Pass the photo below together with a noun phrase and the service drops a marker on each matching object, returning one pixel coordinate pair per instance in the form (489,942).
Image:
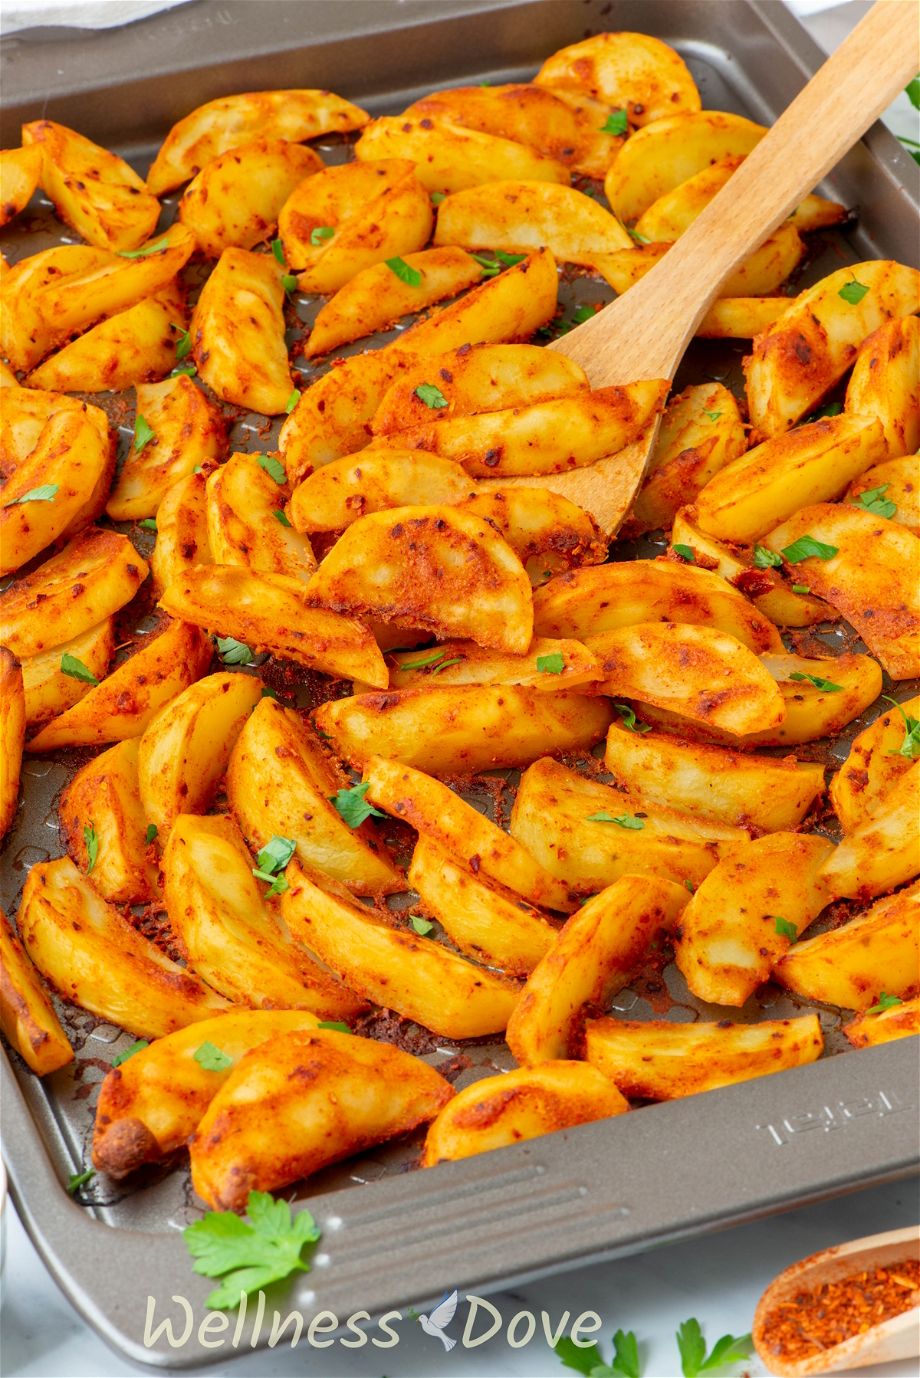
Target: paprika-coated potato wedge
(882,852)
(449,157)
(899,1021)
(548,666)
(439,814)
(633,71)
(658,1059)
(188,432)
(280,782)
(27,1016)
(49,690)
(436,568)
(133,346)
(26,334)
(762,272)
(394,967)
(592,958)
(105,829)
(373,480)
(26,411)
(12,736)
(522,215)
(95,574)
(182,530)
(865,566)
(94,191)
(804,353)
(672,214)
(885,383)
(229,936)
(151,1105)
(301,1101)
(589,835)
(522,1104)
(238,333)
(740,318)
(20,169)
(184,750)
(878,757)
(763,792)
(893,482)
(546,531)
(94,958)
(245,508)
(745,914)
(236,198)
(271,611)
(850,966)
(465,729)
(483,922)
(126,701)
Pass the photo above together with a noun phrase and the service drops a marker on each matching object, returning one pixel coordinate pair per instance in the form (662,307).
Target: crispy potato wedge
(151,1105)
(878,757)
(672,214)
(524,215)
(102,806)
(450,157)
(95,574)
(94,958)
(656,1059)
(238,333)
(804,353)
(245,507)
(592,958)
(740,318)
(301,1101)
(182,531)
(26,412)
(744,915)
(20,169)
(127,700)
(280,782)
(12,736)
(49,691)
(27,1016)
(393,967)
(900,1021)
(896,482)
(634,71)
(26,335)
(548,666)
(465,729)
(547,532)
(133,346)
(850,966)
(375,480)
(236,198)
(882,852)
(761,273)
(230,121)
(569,824)
(885,383)
(188,433)
(271,611)
(522,1104)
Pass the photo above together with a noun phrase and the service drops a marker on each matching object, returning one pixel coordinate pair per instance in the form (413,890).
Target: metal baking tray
(392,1238)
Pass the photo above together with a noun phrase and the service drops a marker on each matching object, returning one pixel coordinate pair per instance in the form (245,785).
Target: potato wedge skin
(862,786)
(656,1059)
(881,852)
(28,329)
(522,1104)
(901,1021)
(519,216)
(244,527)
(104,796)
(235,199)
(238,333)
(373,480)
(19,173)
(740,318)
(27,1016)
(897,479)
(12,736)
(884,383)
(133,346)
(49,692)
(547,531)
(182,531)
(450,158)
(632,70)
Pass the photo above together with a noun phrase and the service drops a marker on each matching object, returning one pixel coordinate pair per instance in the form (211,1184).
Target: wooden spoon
(644,333)
(895,1339)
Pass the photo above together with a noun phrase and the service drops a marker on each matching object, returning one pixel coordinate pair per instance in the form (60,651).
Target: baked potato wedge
(450,157)
(26,412)
(898,1021)
(882,852)
(49,690)
(885,383)
(26,332)
(547,532)
(740,318)
(12,736)
(519,216)
(374,480)
(633,71)
(238,333)
(235,200)
(27,1016)
(134,346)
(20,169)
(247,523)
(761,273)
(182,530)
(548,666)
(105,829)
(878,757)
(891,484)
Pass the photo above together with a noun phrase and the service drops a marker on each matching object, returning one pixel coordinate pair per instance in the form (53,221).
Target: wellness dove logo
(440,1318)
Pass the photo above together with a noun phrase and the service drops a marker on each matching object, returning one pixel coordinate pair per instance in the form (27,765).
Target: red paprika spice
(818,1318)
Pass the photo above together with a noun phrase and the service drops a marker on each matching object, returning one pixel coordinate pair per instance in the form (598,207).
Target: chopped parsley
(292,401)
(826,685)
(143,434)
(785,929)
(273,467)
(553,664)
(91,840)
(137,1047)
(404,271)
(910,746)
(873,500)
(184,342)
(151,834)
(271,860)
(685,552)
(335,1024)
(766,559)
(432,396)
(212,1058)
(630,721)
(885,1002)
(233,652)
(807,547)
(352,807)
(80,1179)
(45,492)
(853,292)
(421,926)
(624,820)
(75,669)
(319,234)
(617,122)
(280,516)
(154,248)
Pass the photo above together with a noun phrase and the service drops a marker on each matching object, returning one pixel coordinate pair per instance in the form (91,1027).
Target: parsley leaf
(74,667)
(148,524)
(582,314)
(233,652)
(913,92)
(280,516)
(80,1179)
(826,685)
(853,292)
(273,467)
(184,342)
(292,401)
(351,805)
(276,854)
(873,500)
(455,660)
(885,1002)
(212,1058)
(437,197)
(617,122)
(808,548)
(278,251)
(248,1256)
(151,833)
(276,884)
(552,664)
(422,661)
(184,370)
(45,492)
(625,820)
(626,1355)
(289,282)
(639,238)
(910,746)
(685,552)
(630,721)
(712,415)
(411,276)
(319,233)
(421,926)
(785,929)
(766,559)
(92,846)
(154,248)
(143,434)
(432,396)
(831,409)
(583,1359)
(492,264)
(730,1349)
(334,1024)
(137,1047)
(800,588)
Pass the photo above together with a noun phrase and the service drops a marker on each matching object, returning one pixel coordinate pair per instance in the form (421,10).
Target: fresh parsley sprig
(730,1349)
(248,1255)
(623,820)
(588,1360)
(271,861)
(351,805)
(885,1002)
(910,746)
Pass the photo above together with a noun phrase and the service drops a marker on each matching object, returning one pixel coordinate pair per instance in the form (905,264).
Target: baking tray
(393,1238)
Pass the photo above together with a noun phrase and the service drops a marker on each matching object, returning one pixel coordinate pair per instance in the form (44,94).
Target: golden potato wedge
(522,1104)
(804,353)
(95,574)
(523,215)
(437,568)
(49,690)
(95,192)
(656,1059)
(762,272)
(236,198)
(633,71)
(271,611)
(744,915)
(882,852)
(893,483)
(127,700)
(866,568)
(547,532)
(851,966)
(96,959)
(480,920)
(374,480)
(20,169)
(151,1105)
(465,729)
(592,958)
(182,531)
(25,334)
(416,977)
(133,346)
(735,787)
(238,333)
(105,829)
(12,736)
(8,378)
(812,464)
(439,814)
(26,412)
(740,318)
(247,524)
(899,1021)
(301,1101)
(672,214)
(27,1016)
(548,666)
(589,835)
(885,383)
(376,297)
(449,157)
(878,757)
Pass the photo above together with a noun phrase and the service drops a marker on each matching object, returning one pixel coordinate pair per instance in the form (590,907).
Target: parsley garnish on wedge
(853,292)
(873,500)
(731,1349)
(885,1002)
(233,652)
(911,744)
(45,492)
(630,721)
(553,664)
(617,122)
(90,837)
(351,805)
(404,271)
(248,1255)
(154,248)
(75,669)
(143,433)
(272,860)
(826,685)
(785,929)
(624,820)
(136,1047)
(807,547)
(212,1058)
(432,396)
(272,466)
(766,559)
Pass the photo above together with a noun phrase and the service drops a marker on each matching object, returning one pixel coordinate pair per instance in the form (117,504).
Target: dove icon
(441,1316)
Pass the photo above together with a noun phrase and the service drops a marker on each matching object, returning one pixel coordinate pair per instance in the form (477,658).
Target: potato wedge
(26,335)
(463,730)
(49,691)
(570,825)
(245,507)
(127,700)
(633,71)
(302,1101)
(547,532)
(522,1104)
(744,915)
(95,574)
(105,829)
(27,411)
(182,531)
(12,736)
(900,1021)
(236,198)
(27,1016)
(878,757)
(762,272)
(672,214)
(895,482)
(271,611)
(656,1059)
(740,318)
(417,978)
(850,966)
(238,333)
(882,852)
(592,958)
(548,666)
(885,383)
(524,215)
(20,169)
(8,378)
(449,157)
(375,480)
(804,353)
(151,1105)
(133,346)
(94,958)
